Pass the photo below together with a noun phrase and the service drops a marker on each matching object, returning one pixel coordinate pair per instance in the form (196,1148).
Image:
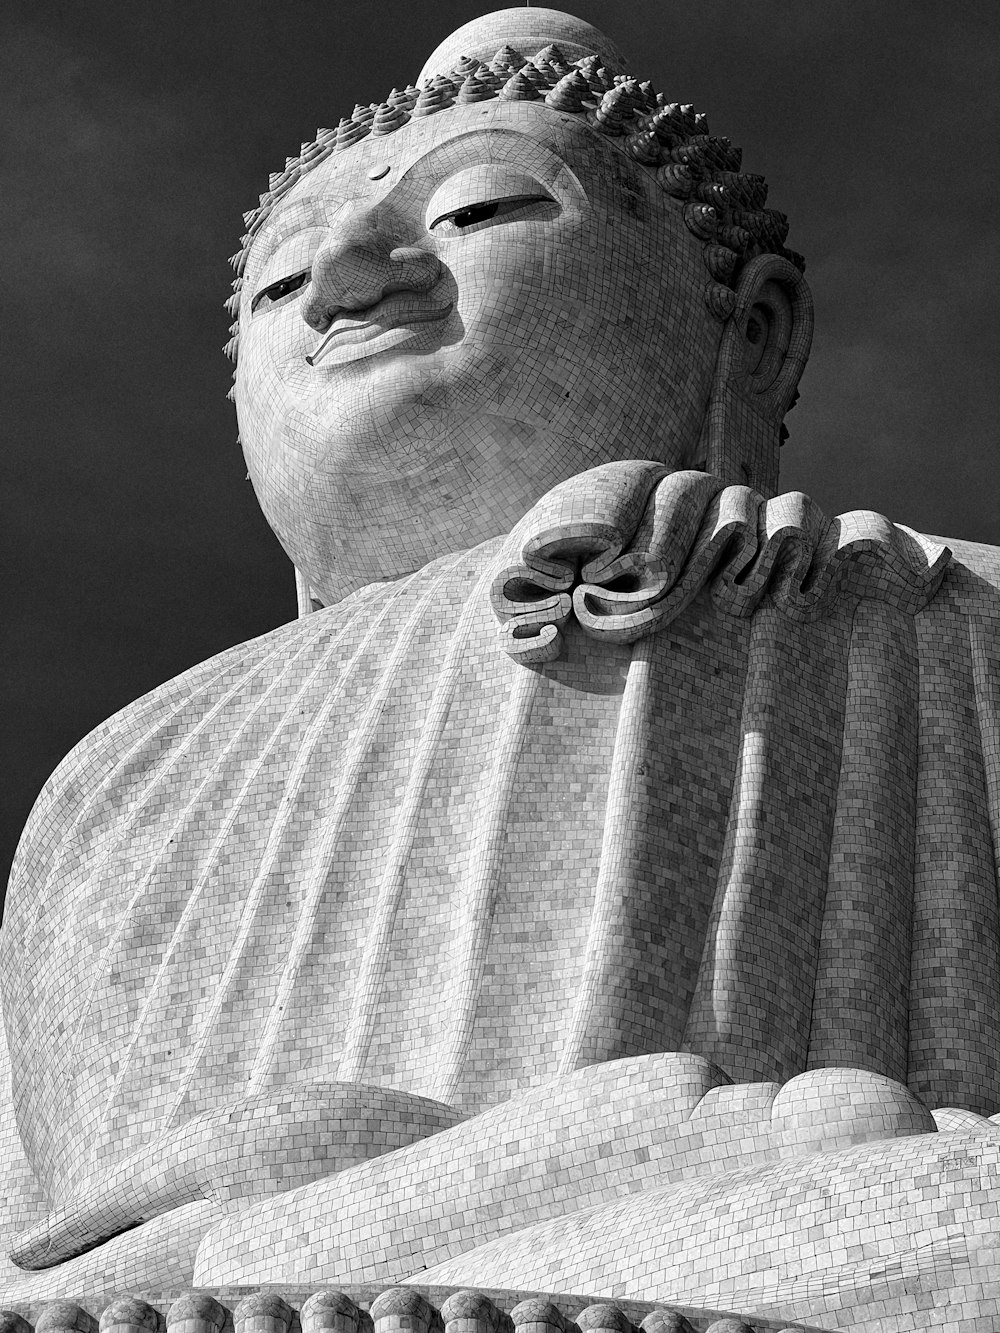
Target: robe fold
(386,844)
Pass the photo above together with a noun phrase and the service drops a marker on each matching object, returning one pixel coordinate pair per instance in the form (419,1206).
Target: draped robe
(391,843)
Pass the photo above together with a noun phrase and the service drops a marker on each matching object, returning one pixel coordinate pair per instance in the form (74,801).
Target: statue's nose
(360,263)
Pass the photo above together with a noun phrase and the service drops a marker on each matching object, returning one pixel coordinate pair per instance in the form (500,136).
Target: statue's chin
(368,497)
(388,414)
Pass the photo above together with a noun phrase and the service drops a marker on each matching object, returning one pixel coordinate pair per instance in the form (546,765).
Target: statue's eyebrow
(451,153)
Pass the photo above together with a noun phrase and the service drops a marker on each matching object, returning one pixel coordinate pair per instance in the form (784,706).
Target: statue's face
(474,355)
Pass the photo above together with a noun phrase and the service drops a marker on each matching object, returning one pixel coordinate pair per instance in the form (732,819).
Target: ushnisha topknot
(722,206)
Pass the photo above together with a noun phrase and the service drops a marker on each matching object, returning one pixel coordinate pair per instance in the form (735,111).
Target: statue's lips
(388,323)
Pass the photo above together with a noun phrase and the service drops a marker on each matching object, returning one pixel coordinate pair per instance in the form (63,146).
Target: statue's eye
(271,295)
(511,209)
(467,217)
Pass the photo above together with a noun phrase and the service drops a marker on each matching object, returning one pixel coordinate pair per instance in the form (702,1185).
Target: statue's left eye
(467,217)
(277,290)
(499,210)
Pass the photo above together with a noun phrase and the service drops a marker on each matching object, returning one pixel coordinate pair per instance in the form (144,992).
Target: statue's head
(518,270)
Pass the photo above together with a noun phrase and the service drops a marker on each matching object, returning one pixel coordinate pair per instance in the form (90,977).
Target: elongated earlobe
(761,358)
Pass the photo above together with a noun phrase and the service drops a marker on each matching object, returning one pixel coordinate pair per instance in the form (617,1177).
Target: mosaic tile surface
(596,888)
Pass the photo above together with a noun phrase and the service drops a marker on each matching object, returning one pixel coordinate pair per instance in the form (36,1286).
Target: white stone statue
(609,833)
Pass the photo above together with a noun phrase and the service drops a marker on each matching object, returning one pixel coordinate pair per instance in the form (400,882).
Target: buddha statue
(608,823)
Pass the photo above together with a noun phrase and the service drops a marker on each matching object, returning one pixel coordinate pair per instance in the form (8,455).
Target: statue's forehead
(537,137)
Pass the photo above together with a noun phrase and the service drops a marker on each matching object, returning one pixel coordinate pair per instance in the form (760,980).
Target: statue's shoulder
(977,557)
(229,704)
(972,581)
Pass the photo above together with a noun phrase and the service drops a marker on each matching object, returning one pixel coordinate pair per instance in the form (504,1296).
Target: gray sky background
(138,134)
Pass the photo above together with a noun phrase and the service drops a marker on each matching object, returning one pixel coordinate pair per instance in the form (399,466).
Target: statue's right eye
(284,287)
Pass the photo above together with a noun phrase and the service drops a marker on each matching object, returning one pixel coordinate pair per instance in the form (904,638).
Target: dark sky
(140,133)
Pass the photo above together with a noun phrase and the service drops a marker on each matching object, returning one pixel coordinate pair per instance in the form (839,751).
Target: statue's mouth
(389,323)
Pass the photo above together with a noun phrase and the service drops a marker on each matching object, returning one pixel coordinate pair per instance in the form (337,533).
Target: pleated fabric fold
(375,847)
(954,1040)
(752,1006)
(860,1016)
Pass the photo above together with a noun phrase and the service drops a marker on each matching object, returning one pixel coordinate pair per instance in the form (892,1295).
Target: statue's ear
(761,358)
